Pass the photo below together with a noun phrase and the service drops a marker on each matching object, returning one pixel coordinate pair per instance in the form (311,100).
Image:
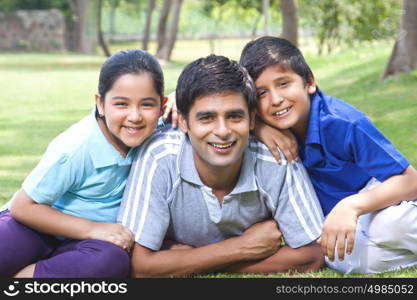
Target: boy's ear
(312,85)
(99,104)
(182,123)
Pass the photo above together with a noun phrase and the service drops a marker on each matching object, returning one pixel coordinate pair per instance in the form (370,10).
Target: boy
(344,154)
(213,195)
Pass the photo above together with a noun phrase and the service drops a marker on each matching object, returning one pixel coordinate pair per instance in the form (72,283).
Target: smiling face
(131,109)
(284,99)
(218,128)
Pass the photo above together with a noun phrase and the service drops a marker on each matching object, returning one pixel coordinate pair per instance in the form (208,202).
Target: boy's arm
(308,258)
(258,241)
(44,218)
(340,225)
(276,140)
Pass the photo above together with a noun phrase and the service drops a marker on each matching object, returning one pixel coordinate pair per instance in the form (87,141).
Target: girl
(61,223)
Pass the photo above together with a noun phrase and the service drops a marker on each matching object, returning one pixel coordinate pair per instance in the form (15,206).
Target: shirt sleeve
(373,152)
(144,209)
(55,174)
(298,214)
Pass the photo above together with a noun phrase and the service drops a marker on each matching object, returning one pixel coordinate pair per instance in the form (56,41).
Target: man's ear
(99,104)
(252,116)
(182,122)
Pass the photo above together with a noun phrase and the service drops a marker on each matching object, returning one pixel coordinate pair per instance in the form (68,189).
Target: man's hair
(213,75)
(269,51)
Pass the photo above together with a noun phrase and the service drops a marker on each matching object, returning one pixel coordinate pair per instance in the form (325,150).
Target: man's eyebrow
(236,111)
(205,113)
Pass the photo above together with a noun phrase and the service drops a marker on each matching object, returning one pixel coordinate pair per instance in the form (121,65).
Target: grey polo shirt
(165,197)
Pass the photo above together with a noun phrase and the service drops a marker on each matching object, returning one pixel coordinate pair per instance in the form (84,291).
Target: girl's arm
(276,140)
(44,218)
(340,224)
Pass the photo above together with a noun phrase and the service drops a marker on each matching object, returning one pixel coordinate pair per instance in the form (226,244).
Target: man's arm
(257,242)
(308,258)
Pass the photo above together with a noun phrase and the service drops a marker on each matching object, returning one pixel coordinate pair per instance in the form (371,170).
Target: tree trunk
(81,37)
(265,13)
(404,54)
(112,17)
(101,40)
(162,25)
(289,21)
(255,26)
(147,33)
(166,50)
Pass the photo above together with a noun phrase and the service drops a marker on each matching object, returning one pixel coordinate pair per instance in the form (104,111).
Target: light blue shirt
(81,174)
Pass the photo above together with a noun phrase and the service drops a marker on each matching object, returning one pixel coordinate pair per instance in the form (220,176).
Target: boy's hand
(276,140)
(112,233)
(261,240)
(169,107)
(339,229)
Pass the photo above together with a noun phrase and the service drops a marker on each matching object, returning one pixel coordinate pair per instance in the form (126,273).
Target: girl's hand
(112,233)
(276,140)
(339,229)
(169,107)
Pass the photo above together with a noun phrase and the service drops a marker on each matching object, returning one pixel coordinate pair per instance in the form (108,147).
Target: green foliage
(13,5)
(350,21)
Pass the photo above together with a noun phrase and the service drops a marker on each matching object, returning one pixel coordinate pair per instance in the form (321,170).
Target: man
(214,191)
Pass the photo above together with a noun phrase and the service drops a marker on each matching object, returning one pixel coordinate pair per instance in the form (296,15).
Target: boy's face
(284,99)
(218,128)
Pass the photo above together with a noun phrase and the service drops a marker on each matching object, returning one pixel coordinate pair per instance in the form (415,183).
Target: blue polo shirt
(81,174)
(343,151)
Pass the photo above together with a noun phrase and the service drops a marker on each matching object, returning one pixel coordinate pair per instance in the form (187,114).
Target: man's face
(218,128)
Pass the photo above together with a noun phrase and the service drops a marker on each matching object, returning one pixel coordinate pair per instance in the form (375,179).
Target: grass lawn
(42,94)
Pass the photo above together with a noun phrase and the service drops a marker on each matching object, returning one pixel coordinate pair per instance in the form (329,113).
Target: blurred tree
(147,33)
(349,21)
(265,13)
(100,37)
(83,39)
(404,54)
(112,18)
(162,24)
(166,50)
(167,39)
(289,21)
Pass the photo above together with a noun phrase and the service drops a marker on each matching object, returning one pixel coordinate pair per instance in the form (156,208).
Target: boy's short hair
(212,75)
(269,51)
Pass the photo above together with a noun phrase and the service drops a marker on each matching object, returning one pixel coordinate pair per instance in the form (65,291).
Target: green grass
(42,94)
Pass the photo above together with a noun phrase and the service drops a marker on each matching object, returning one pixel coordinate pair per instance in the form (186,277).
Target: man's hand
(339,229)
(261,240)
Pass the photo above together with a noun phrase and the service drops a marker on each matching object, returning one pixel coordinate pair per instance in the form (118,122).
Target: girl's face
(131,109)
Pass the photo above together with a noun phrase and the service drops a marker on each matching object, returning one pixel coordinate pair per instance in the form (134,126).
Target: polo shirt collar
(188,170)
(102,153)
(313,130)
